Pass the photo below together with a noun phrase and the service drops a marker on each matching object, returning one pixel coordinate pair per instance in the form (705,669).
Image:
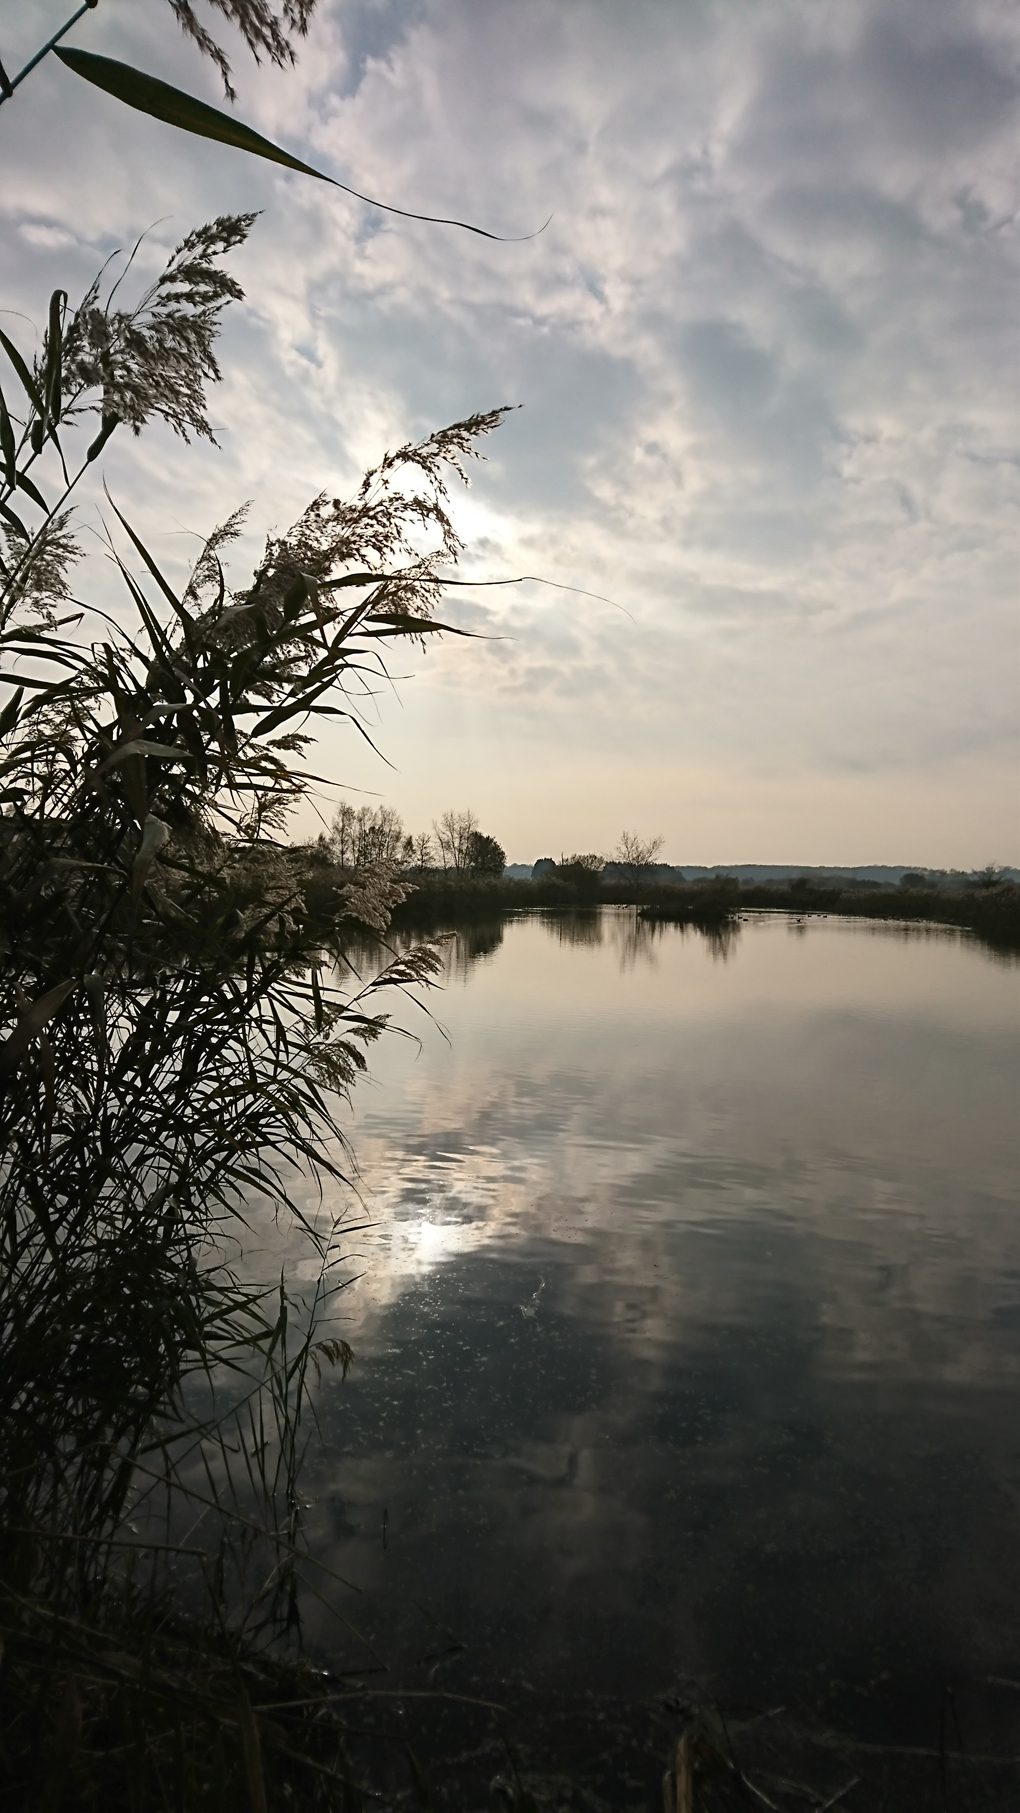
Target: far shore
(443,898)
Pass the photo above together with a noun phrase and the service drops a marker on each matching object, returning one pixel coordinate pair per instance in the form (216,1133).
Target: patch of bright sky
(764,352)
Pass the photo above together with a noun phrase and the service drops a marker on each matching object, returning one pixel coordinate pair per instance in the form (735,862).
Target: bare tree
(453,835)
(635,855)
(420,851)
(366,834)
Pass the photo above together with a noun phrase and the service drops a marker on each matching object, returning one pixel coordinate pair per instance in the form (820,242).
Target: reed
(181,1035)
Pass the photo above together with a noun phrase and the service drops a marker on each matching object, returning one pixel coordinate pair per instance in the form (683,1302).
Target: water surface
(688,1329)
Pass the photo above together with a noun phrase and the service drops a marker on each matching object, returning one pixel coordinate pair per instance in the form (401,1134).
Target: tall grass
(181,1035)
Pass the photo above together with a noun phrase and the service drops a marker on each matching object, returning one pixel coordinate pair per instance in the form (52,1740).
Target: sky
(762,358)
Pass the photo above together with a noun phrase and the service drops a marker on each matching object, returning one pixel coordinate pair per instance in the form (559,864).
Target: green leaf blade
(163,102)
(27,381)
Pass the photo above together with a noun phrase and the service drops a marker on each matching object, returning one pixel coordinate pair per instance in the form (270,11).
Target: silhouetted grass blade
(31,1021)
(31,490)
(163,102)
(7,444)
(27,381)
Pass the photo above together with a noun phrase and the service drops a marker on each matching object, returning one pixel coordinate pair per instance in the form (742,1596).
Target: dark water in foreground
(688,1334)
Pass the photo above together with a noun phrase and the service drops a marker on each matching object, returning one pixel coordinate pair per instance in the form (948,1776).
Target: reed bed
(181,1034)
(992,914)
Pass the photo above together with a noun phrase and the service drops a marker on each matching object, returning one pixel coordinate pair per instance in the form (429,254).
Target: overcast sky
(765,354)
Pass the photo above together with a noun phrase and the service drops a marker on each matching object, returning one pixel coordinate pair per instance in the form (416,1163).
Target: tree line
(365,838)
(633,861)
(361,838)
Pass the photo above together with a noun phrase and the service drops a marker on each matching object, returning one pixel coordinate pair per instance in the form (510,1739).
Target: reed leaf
(148,94)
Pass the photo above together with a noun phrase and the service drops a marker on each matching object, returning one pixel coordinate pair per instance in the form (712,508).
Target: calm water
(688,1331)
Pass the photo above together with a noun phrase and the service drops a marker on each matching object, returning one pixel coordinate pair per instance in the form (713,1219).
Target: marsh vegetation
(991,914)
(181,1032)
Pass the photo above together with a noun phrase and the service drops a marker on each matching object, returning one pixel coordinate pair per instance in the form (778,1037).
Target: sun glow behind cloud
(764,352)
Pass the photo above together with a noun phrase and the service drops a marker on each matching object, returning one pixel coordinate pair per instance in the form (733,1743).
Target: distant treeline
(456,874)
(992,912)
(439,898)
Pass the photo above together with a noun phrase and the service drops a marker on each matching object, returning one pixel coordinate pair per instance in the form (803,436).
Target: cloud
(760,349)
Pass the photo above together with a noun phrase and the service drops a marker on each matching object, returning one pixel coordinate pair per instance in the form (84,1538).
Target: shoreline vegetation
(437,898)
(177,1037)
(455,874)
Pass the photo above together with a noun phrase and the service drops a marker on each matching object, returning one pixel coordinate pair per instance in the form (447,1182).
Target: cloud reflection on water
(684,1336)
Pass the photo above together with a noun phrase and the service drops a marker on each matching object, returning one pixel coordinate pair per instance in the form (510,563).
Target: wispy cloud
(763,351)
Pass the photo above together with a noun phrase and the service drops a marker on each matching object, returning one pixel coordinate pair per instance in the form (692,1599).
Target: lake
(688,1325)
